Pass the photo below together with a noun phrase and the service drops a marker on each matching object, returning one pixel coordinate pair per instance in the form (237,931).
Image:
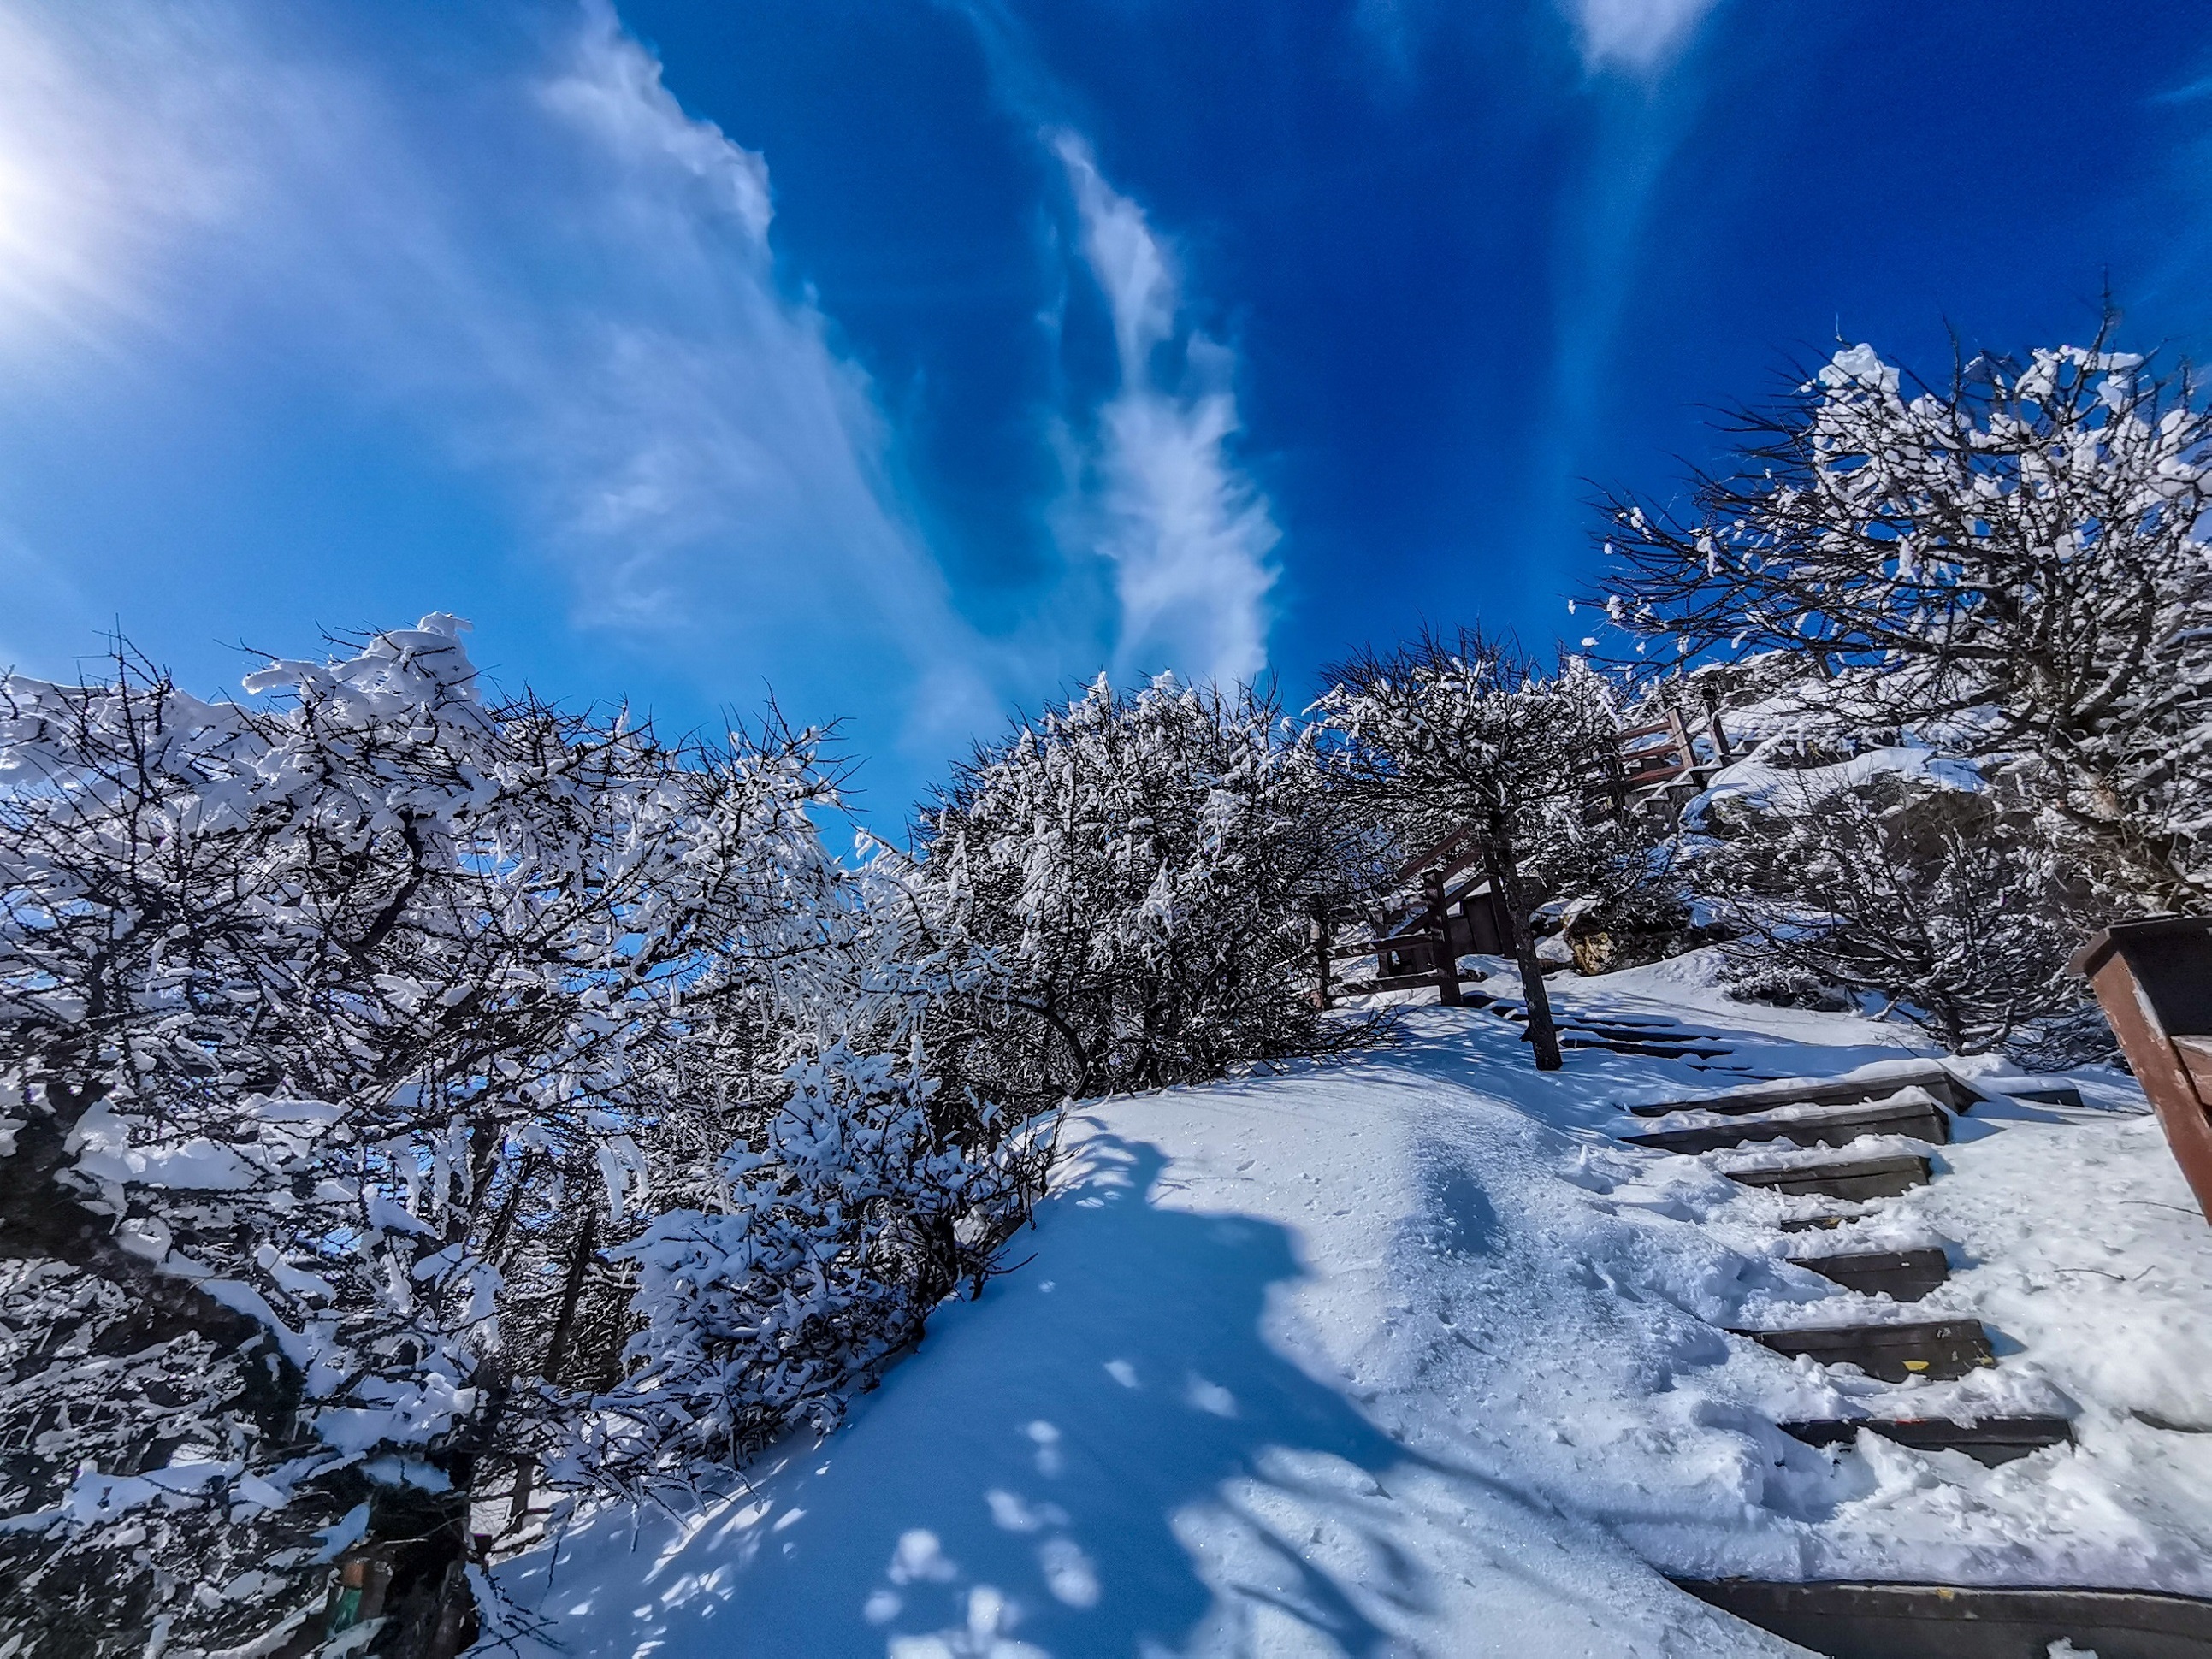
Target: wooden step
(1640,1033)
(1616,1045)
(1814,1224)
(1993,1440)
(1938,1349)
(1947,1621)
(1616,1031)
(2039,1091)
(1858,1178)
(1822,1092)
(1922,1119)
(1903,1275)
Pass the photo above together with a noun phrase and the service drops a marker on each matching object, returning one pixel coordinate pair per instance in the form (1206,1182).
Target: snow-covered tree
(332,1025)
(2010,562)
(1142,867)
(1442,733)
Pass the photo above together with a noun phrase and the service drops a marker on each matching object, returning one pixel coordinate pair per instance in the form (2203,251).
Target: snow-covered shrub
(331,1025)
(2011,563)
(1755,975)
(847,1220)
(1943,902)
(1141,868)
(1623,886)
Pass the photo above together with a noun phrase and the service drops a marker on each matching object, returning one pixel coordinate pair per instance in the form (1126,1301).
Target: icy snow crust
(1409,1355)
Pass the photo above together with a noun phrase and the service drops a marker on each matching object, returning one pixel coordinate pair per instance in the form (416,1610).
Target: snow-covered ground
(1407,1355)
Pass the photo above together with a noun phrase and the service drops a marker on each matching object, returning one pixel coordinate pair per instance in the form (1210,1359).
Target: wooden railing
(1665,749)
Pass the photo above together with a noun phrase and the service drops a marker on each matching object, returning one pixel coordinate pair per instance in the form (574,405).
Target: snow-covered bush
(1941,901)
(332,1026)
(848,1218)
(1141,867)
(2010,563)
(1625,898)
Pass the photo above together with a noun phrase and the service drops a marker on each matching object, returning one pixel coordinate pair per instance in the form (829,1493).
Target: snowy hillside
(1408,1354)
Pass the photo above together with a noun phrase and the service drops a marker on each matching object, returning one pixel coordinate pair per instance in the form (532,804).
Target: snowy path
(1406,1356)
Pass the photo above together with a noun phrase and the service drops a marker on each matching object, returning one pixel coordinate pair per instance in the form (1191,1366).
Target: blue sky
(919,360)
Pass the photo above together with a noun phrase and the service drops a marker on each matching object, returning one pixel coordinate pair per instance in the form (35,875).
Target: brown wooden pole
(1616,781)
(1721,752)
(2174,1068)
(1440,953)
(1685,750)
(1317,931)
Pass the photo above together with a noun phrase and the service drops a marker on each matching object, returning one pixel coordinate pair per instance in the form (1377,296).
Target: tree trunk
(1505,878)
(557,1350)
(1317,933)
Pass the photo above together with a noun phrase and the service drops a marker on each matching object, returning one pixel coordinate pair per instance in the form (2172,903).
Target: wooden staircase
(1901,1620)
(1950,1621)
(1620,1033)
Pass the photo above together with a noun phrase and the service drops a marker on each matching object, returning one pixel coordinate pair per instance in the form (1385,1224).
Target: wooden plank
(1857,1180)
(1992,1441)
(1933,1077)
(2196,1053)
(2041,1091)
(1939,1349)
(1923,1120)
(1947,1621)
(1449,843)
(1903,1275)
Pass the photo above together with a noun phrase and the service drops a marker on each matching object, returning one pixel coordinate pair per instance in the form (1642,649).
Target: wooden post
(1317,930)
(2154,981)
(1440,953)
(1721,752)
(1680,729)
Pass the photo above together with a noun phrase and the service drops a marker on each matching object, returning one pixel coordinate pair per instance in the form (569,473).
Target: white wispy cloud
(1189,535)
(1637,36)
(537,259)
